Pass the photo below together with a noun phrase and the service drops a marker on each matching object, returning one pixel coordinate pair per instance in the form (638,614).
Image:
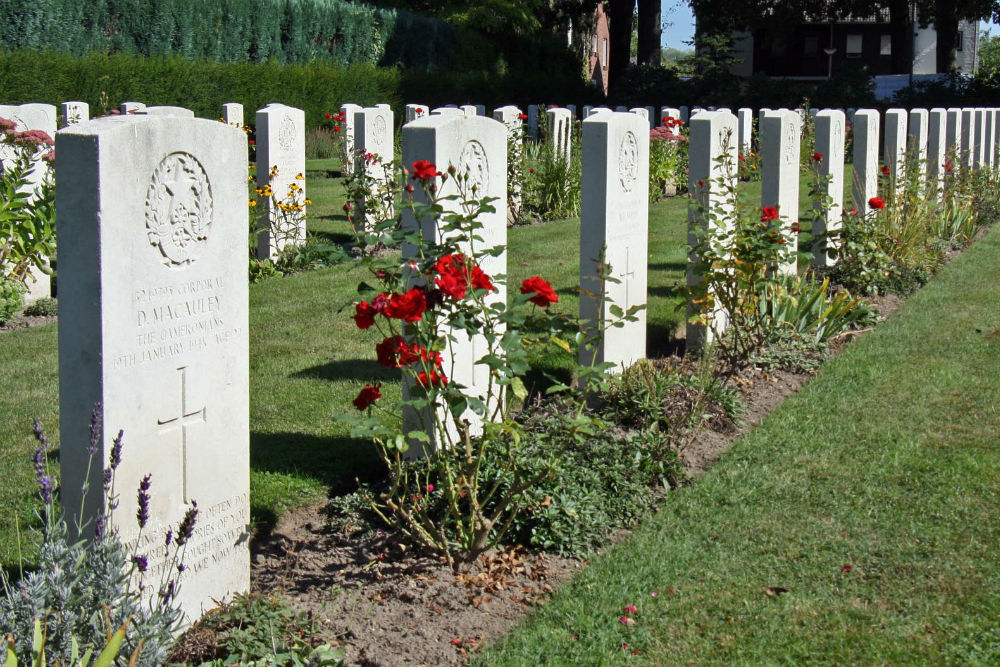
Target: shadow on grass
(661,342)
(333,238)
(337,462)
(679,267)
(348,369)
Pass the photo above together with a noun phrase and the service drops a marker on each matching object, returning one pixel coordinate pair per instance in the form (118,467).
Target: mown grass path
(872,496)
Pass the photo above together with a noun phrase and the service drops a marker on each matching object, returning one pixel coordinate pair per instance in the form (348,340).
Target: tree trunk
(946,25)
(901,30)
(620,14)
(649,32)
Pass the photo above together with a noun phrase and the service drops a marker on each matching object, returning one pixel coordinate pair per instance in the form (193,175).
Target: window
(811,47)
(778,48)
(885,46)
(604,53)
(595,43)
(960,40)
(854,43)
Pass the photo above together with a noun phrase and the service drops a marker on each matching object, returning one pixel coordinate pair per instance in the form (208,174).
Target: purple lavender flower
(45,487)
(170,538)
(142,514)
(181,567)
(116,451)
(95,428)
(186,529)
(38,458)
(141,562)
(99,527)
(108,475)
(167,592)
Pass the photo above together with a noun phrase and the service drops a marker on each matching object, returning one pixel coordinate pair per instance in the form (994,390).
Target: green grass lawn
(308,360)
(871,497)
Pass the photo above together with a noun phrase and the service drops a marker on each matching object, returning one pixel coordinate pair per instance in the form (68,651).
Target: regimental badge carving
(628,162)
(379,132)
(286,134)
(179,209)
(473,164)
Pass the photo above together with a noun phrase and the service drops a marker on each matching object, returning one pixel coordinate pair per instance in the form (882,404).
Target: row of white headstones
(152,221)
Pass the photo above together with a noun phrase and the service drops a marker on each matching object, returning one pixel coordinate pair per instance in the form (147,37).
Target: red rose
(364,315)
(432,379)
(412,353)
(523,116)
(481,281)
(252,142)
(877,203)
(817,157)
(386,351)
(336,129)
(425,170)
(544,294)
(329,115)
(795,227)
(367,396)
(885,170)
(408,306)
(768,213)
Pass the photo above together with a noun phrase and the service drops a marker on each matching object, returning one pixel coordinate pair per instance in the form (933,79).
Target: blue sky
(678,24)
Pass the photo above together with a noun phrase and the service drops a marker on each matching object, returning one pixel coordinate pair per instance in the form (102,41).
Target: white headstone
(477,147)
(651,117)
(712,155)
(996,137)
(866,167)
(415,111)
(373,136)
(643,112)
(469,110)
(953,137)
(179,112)
(596,110)
(153,326)
(533,113)
(232,114)
(780,135)
(131,107)
(830,134)
(685,114)
(560,132)
(895,146)
(281,163)
(916,145)
(586,111)
(937,123)
(572,111)
(32,117)
(621,109)
(669,112)
(447,111)
(989,146)
(614,230)
(979,139)
(347,130)
(75,112)
(510,116)
(968,137)
(745,124)
(480,109)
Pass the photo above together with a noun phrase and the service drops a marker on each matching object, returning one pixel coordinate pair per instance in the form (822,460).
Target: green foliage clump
(259,630)
(44,307)
(303,31)
(12,293)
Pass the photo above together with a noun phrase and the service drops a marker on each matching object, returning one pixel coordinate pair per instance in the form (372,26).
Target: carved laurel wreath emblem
(179,209)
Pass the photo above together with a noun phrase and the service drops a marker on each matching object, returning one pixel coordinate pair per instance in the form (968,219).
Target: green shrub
(12,293)
(44,307)
(299,31)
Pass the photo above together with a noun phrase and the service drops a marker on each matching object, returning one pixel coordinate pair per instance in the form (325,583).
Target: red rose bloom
(408,306)
(386,351)
(432,379)
(542,289)
(885,170)
(877,203)
(523,116)
(425,170)
(364,314)
(481,281)
(336,129)
(329,115)
(453,276)
(768,213)
(817,157)
(412,353)
(368,395)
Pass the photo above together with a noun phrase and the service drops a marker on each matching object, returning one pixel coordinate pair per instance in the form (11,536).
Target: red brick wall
(597,50)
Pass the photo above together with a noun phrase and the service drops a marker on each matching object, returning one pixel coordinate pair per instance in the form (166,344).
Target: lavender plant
(83,591)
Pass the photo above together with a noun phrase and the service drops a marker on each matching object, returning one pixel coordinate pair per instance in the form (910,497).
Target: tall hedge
(284,31)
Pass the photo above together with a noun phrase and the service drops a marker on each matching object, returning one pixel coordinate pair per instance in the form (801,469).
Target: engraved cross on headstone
(182,421)
(628,274)
(177,188)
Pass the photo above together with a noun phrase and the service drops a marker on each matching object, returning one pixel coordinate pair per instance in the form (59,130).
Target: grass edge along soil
(855,525)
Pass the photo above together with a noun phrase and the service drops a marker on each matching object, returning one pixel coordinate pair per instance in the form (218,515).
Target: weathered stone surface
(830,136)
(614,224)
(75,112)
(780,135)
(281,164)
(866,167)
(153,326)
(232,114)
